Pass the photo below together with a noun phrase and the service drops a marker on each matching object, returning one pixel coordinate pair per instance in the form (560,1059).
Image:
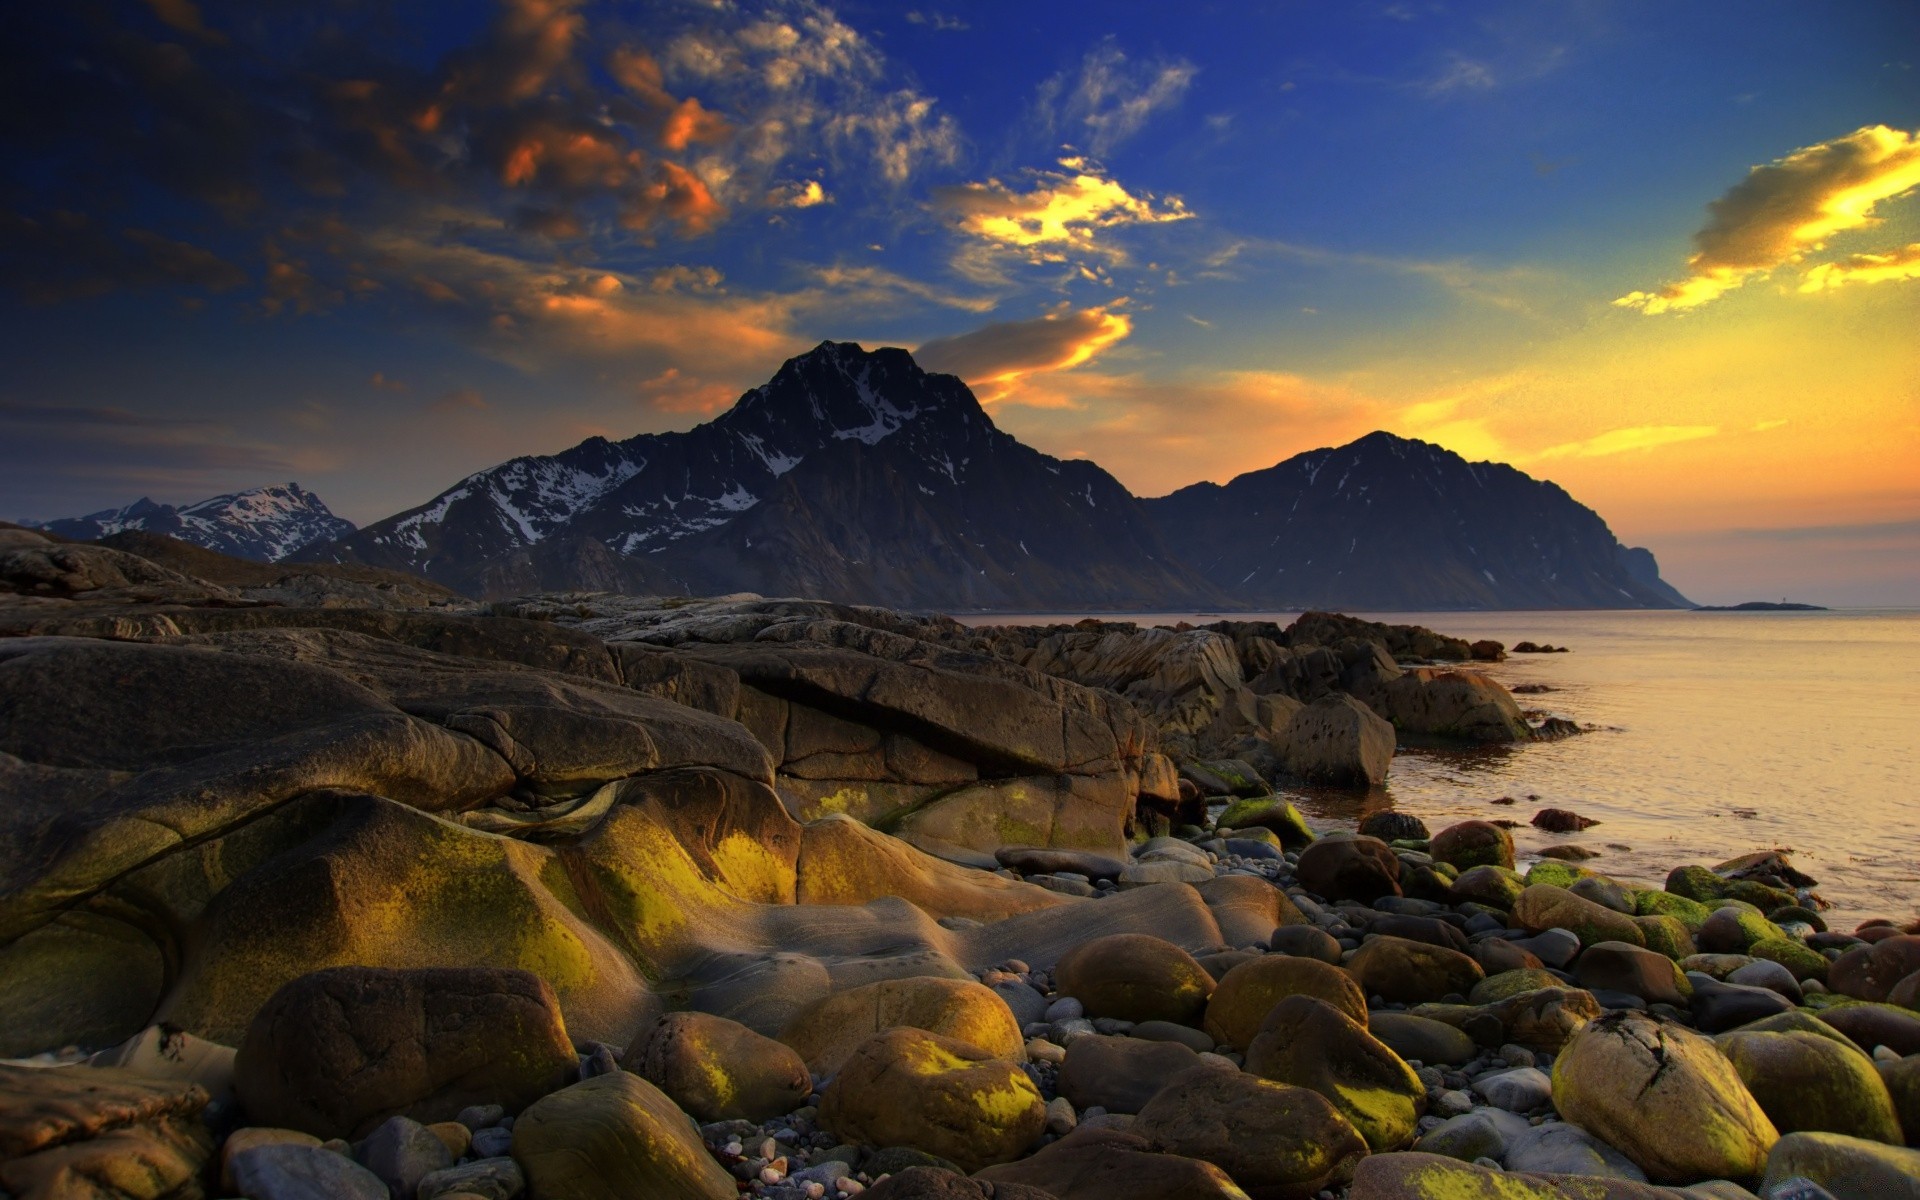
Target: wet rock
(828,1031)
(1553,947)
(1135,977)
(1733,930)
(1665,1097)
(1272,1139)
(1391,826)
(1247,993)
(1120,1074)
(1349,868)
(1407,971)
(1561,820)
(1847,1167)
(1473,844)
(719,1070)
(1103,1164)
(611,1137)
(1270,813)
(1718,1007)
(1769,975)
(1605,892)
(1309,1043)
(908,1087)
(1495,886)
(1808,1083)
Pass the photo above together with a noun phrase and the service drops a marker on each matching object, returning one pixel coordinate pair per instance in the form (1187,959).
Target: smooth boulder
(1405,971)
(612,1137)
(1349,868)
(1544,906)
(908,1087)
(1248,992)
(1813,1084)
(1106,1164)
(828,1031)
(1310,1043)
(1120,1074)
(1849,1168)
(1473,844)
(1277,1142)
(1135,977)
(719,1070)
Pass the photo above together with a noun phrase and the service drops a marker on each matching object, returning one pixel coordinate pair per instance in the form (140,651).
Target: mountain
(850,475)
(265,524)
(1390,524)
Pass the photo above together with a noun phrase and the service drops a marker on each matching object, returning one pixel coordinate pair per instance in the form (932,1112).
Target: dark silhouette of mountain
(850,476)
(1391,524)
(265,524)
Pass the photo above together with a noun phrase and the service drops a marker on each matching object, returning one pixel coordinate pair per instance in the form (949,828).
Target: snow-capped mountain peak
(265,524)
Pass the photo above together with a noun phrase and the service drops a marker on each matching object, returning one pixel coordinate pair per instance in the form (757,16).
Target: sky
(1665,255)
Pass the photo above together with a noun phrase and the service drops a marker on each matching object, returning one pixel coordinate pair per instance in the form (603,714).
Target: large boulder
(1135,977)
(1248,992)
(611,1137)
(1665,1097)
(1848,1168)
(1349,868)
(829,1031)
(337,1052)
(1417,1176)
(719,1070)
(1340,742)
(1405,971)
(1870,972)
(1902,1077)
(1309,1043)
(1277,1142)
(1120,1074)
(1105,1164)
(908,1087)
(77,1131)
(1873,1025)
(1808,1083)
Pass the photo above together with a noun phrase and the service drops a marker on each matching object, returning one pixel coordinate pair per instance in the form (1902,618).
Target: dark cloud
(66,255)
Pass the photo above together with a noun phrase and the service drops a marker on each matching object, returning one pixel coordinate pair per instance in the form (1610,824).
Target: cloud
(673,391)
(1111,98)
(1622,441)
(878,286)
(1890,267)
(995,359)
(798,194)
(1462,74)
(937,21)
(1788,208)
(68,255)
(1063,214)
(108,455)
(464,399)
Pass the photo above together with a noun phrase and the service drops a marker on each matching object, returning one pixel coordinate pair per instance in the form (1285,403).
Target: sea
(1709,734)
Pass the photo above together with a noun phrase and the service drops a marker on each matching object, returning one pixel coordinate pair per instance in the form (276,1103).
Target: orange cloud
(1621,441)
(1785,209)
(673,194)
(675,392)
(1890,267)
(996,358)
(1064,213)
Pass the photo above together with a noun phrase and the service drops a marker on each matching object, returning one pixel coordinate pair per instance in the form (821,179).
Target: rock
(934,1183)
(1696,883)
(1248,992)
(1142,874)
(1135,977)
(249,1137)
(908,1087)
(1168,1031)
(1481,1133)
(1391,826)
(1494,886)
(1541,1020)
(488,1178)
(1120,1074)
(1414,1176)
(1666,935)
(1870,972)
(1544,906)
(1421,1039)
(1351,868)
(61,1128)
(1507,984)
(1105,1164)
(614,1136)
(1567,852)
(1431,930)
(285,1171)
(166,1052)
(1340,742)
(1849,1168)
(402,1152)
(1562,1149)
(1619,967)
(1732,930)
(1813,1084)
(719,1070)
(1473,844)
(828,1031)
(1407,971)
(1802,960)
(1665,1097)
(1906,993)
(1037,860)
(1516,1091)
(1309,1043)
(1871,1025)
(1690,913)
(1561,820)
(1718,1006)
(1270,813)
(1025,1003)
(1902,1080)
(1605,892)
(1769,975)
(1553,947)
(1304,941)
(1272,1139)
(1497,956)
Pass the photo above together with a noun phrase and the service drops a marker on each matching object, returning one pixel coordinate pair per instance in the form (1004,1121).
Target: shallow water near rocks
(1719,733)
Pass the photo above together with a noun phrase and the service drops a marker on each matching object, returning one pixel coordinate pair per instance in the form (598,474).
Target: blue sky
(1667,255)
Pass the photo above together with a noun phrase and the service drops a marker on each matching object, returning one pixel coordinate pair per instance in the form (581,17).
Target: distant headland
(1762,606)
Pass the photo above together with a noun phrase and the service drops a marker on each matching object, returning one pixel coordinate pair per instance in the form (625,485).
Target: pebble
(1066,1008)
(1517,1056)
(1042,1050)
(491,1142)
(1517,1091)
(1453,1104)
(1061,1119)
(480,1116)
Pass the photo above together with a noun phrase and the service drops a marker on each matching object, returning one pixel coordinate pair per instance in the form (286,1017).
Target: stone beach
(334,892)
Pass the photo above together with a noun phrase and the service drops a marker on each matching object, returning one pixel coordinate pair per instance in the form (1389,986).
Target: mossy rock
(1666,934)
(611,1136)
(1253,833)
(1544,906)
(1690,913)
(908,1087)
(1736,929)
(1268,812)
(1249,991)
(1797,914)
(1557,873)
(1760,895)
(1804,961)
(1512,983)
(1805,1082)
(1696,883)
(1309,1043)
(1240,776)
(1497,887)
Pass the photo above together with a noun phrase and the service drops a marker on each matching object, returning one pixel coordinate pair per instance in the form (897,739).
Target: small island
(1762,606)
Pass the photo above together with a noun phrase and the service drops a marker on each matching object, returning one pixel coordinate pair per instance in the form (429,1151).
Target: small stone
(1517,1056)
(402,1152)
(1517,1091)
(1066,1008)
(290,1172)
(1061,1119)
(1042,1050)
(480,1116)
(492,1142)
(489,1178)
(1453,1103)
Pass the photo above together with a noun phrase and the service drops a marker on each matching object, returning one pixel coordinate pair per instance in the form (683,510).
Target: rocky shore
(330,887)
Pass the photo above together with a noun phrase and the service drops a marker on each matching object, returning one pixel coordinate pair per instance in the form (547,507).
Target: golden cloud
(1062,214)
(1785,209)
(1890,267)
(1621,441)
(994,359)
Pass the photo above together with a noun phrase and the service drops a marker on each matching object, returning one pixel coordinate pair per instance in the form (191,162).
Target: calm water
(1717,733)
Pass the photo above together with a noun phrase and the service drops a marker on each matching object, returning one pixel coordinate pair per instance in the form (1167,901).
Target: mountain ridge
(264,524)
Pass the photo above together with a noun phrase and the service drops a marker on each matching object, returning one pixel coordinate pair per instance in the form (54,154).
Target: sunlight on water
(1719,733)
